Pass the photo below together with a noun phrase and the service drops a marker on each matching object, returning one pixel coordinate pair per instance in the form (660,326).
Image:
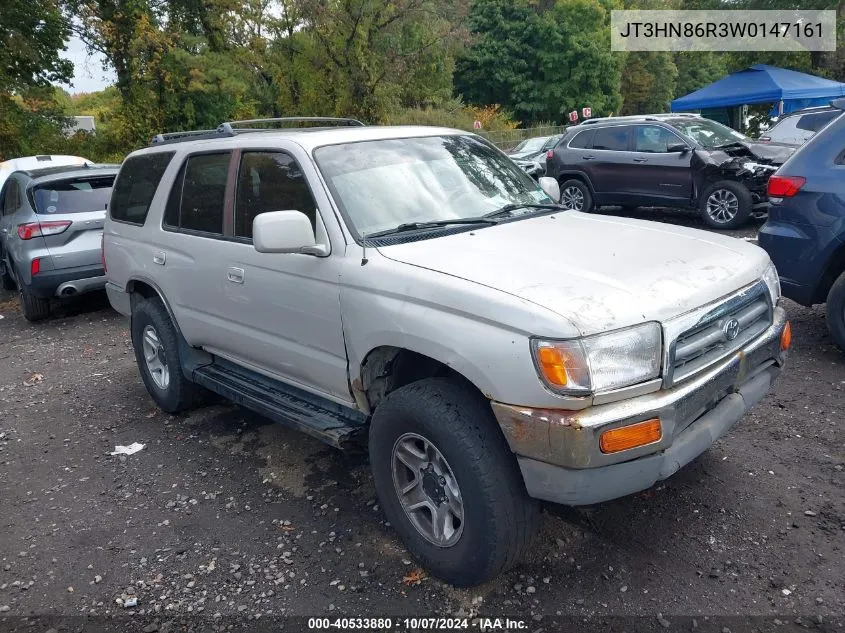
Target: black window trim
(227,193)
(237,168)
(109,205)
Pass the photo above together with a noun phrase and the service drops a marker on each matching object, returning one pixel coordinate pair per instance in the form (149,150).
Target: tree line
(190,64)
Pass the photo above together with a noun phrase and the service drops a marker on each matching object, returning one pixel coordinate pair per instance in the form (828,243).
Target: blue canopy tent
(788,89)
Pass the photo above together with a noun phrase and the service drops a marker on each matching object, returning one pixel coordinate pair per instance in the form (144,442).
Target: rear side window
(136,185)
(73,196)
(816,121)
(613,138)
(270,181)
(11,197)
(582,140)
(201,192)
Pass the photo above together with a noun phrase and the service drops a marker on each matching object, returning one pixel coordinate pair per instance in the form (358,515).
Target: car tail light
(36,229)
(35,267)
(784,186)
(550,154)
(103,252)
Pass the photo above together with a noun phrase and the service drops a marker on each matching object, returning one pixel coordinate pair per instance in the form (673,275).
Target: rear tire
(575,195)
(33,308)
(156,345)
(836,311)
(461,460)
(6,279)
(725,205)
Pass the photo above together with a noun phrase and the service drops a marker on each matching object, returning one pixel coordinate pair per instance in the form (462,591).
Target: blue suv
(805,232)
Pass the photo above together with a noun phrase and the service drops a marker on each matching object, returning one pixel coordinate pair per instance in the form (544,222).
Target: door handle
(590,157)
(235,275)
(159,258)
(640,160)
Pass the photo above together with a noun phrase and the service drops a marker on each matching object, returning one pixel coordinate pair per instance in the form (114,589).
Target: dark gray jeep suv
(667,160)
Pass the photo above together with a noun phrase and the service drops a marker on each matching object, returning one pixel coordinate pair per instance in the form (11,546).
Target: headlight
(772,280)
(600,363)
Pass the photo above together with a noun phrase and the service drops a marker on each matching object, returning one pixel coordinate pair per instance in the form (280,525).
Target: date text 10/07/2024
(417,624)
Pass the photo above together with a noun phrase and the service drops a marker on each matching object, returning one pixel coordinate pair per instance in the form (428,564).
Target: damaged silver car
(665,160)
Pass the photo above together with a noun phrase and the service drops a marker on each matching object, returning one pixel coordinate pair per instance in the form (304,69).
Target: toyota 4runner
(412,286)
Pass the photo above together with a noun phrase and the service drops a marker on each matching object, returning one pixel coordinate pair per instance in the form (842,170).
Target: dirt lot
(225,519)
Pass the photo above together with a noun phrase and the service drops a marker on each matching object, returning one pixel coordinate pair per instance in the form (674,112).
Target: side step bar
(325,420)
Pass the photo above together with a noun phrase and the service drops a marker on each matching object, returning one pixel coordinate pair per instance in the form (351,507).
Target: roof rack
(641,117)
(178,136)
(229,126)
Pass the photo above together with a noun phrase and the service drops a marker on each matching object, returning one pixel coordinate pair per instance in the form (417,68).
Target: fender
(580,175)
(191,357)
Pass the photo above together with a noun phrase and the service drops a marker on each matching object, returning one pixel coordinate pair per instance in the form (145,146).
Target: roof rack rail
(175,136)
(229,126)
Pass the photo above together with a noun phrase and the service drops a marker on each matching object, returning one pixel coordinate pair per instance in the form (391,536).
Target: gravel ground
(227,520)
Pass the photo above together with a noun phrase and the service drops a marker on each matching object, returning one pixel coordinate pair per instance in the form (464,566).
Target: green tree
(541,61)
(648,82)
(32,34)
(696,70)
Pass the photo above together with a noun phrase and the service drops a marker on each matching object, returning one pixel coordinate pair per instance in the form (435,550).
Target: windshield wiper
(433,224)
(508,209)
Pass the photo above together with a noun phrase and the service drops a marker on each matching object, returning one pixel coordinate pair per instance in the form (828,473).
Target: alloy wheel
(427,490)
(722,206)
(155,357)
(572,199)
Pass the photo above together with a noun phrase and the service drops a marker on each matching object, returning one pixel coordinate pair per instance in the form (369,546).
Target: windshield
(707,133)
(73,196)
(380,185)
(532,144)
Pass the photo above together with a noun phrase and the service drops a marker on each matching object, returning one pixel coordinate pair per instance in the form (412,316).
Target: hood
(600,273)
(767,153)
(532,156)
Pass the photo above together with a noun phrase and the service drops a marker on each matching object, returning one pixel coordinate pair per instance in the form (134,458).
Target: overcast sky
(88,73)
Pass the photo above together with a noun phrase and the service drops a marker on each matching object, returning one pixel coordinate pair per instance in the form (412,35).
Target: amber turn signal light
(786,337)
(631,436)
(553,365)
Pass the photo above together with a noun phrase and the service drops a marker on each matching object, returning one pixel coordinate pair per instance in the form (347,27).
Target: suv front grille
(728,329)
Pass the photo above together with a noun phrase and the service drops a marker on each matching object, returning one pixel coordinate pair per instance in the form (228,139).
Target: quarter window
(203,193)
(582,140)
(270,181)
(612,138)
(136,185)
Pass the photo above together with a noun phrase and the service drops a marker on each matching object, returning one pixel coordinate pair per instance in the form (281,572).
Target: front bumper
(558,451)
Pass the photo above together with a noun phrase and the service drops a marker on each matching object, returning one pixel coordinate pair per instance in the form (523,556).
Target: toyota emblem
(731,329)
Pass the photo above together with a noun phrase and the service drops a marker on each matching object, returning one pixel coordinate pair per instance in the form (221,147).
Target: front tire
(156,345)
(725,205)
(836,311)
(575,195)
(448,481)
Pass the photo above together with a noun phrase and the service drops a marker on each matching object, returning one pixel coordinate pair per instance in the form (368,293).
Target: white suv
(413,286)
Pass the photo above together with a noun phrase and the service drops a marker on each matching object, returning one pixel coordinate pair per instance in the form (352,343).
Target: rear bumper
(119,299)
(82,279)
(559,454)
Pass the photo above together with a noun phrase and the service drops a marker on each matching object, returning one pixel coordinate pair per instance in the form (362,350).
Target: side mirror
(282,232)
(550,187)
(678,148)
